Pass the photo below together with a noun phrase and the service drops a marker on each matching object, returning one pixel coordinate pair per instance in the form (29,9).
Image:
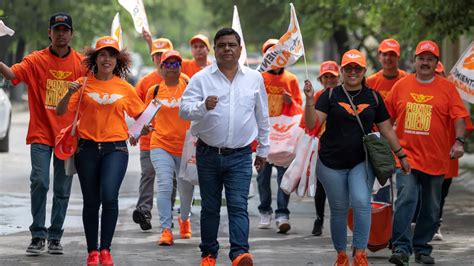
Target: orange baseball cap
(269,43)
(161,45)
(170,54)
(202,38)
(353,56)
(439,68)
(106,41)
(388,45)
(329,67)
(427,46)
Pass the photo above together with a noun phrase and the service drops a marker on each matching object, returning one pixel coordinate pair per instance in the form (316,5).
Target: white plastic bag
(292,176)
(188,168)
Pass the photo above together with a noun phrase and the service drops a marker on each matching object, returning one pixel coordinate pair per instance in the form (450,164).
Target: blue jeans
(346,187)
(409,188)
(234,172)
(165,165)
(39,186)
(265,192)
(101,168)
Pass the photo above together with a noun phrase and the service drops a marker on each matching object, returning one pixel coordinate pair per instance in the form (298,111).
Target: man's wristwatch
(461,140)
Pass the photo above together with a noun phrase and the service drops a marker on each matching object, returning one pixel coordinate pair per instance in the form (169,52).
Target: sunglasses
(357,69)
(174,64)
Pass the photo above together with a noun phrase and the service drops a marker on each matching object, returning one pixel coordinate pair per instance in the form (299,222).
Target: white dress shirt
(241,113)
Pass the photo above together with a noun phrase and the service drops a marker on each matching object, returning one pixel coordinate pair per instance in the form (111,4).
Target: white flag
(236,26)
(289,48)
(462,74)
(137,10)
(116,30)
(4,30)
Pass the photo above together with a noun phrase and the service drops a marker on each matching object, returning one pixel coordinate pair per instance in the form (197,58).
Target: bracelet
(397,151)
(402,156)
(310,104)
(461,139)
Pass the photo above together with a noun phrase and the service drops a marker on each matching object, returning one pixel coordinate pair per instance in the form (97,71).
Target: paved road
(133,247)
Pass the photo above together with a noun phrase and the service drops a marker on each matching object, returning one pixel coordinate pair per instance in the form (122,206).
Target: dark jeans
(265,192)
(234,172)
(320,201)
(39,186)
(101,168)
(444,193)
(409,189)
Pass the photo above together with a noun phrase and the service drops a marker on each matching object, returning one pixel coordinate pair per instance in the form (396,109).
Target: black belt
(221,151)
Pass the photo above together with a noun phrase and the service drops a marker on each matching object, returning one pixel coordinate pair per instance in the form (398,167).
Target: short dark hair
(226,31)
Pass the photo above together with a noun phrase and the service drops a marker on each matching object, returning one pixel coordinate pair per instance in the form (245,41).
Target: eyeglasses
(357,69)
(174,64)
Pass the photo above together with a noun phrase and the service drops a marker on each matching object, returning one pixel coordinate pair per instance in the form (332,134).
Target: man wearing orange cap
(383,81)
(199,49)
(142,213)
(282,89)
(423,105)
(48,73)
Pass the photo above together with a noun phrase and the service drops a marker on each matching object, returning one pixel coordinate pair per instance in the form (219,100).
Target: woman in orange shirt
(102,156)
(166,147)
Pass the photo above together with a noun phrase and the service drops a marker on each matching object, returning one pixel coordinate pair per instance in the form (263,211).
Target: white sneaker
(283,225)
(265,221)
(438,236)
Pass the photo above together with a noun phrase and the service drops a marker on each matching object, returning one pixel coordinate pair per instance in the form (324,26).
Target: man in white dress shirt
(227,103)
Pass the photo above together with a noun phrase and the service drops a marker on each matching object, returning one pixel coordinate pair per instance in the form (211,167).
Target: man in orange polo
(199,49)
(47,73)
(383,81)
(282,88)
(423,105)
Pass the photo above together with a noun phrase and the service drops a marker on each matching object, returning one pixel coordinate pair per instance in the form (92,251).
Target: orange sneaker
(166,238)
(360,258)
(342,259)
(208,261)
(244,259)
(184,228)
(93,258)
(106,258)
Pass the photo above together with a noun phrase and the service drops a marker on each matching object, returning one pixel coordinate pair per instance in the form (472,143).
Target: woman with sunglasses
(102,156)
(166,146)
(341,165)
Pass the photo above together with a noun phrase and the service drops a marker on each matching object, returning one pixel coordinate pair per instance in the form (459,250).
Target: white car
(5,118)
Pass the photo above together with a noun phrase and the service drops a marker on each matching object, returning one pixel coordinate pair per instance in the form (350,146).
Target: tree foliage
(177,20)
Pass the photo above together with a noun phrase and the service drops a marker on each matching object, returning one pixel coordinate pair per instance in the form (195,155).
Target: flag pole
(305,65)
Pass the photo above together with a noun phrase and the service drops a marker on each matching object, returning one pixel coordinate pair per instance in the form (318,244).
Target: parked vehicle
(5,117)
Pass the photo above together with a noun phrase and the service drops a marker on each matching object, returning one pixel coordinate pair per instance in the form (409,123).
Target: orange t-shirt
(423,113)
(383,85)
(143,85)
(170,129)
(278,84)
(101,111)
(48,78)
(190,67)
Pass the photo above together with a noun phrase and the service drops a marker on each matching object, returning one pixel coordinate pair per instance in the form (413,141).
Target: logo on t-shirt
(170,103)
(283,128)
(418,114)
(360,107)
(421,98)
(104,98)
(56,87)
